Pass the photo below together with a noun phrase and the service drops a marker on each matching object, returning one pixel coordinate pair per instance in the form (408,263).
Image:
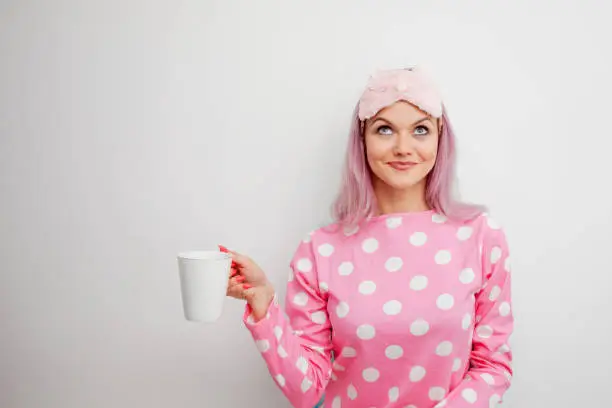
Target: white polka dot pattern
(370,245)
(494,401)
(394,222)
(445,301)
(367,287)
(302,364)
(436,393)
(263,345)
(456,365)
(351,392)
(394,352)
(417,373)
(464,233)
(342,310)
(392,308)
(467,276)
(371,374)
(393,394)
(400,301)
(346,268)
(304,265)
(469,395)
(443,257)
(488,378)
(366,332)
(444,349)
(326,250)
(419,327)
(418,239)
(394,264)
(280,380)
(306,385)
(418,283)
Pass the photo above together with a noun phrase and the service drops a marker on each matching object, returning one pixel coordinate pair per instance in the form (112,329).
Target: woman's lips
(402,166)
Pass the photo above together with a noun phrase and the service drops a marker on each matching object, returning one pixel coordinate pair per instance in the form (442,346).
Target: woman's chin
(403,183)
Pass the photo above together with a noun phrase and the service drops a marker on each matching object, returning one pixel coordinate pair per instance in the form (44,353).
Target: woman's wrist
(261,300)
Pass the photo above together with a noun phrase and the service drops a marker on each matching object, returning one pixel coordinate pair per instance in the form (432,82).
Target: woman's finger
(236,280)
(236,291)
(227,251)
(248,292)
(242,261)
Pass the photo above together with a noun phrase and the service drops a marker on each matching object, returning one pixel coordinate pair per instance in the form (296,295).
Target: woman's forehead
(401,113)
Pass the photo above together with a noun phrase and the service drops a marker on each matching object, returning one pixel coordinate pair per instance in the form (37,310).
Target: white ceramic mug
(204,278)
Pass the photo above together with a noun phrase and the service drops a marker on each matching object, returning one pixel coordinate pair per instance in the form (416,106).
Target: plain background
(132,130)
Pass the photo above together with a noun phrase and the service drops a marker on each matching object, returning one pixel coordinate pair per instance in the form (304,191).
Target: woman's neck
(390,200)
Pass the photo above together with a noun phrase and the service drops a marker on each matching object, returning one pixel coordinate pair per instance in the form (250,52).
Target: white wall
(132,130)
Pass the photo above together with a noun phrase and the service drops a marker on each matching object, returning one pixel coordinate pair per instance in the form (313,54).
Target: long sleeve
(297,348)
(490,369)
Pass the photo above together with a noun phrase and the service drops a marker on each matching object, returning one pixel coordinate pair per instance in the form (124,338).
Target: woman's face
(401,144)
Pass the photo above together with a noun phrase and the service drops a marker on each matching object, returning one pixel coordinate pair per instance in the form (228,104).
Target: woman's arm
(490,371)
(297,350)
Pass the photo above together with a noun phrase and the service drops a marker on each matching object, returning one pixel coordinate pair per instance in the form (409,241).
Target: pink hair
(356,200)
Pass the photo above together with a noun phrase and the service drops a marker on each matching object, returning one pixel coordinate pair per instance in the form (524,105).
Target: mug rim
(200,255)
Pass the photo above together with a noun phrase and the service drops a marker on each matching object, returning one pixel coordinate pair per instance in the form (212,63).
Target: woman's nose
(404,143)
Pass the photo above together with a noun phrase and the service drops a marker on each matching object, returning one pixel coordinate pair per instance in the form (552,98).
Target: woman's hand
(249,282)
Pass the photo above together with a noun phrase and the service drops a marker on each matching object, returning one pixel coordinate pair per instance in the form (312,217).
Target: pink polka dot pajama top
(415,308)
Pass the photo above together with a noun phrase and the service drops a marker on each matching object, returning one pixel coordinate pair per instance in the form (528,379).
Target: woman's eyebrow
(423,119)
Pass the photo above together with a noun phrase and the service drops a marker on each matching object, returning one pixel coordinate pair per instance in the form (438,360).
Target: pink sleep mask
(385,87)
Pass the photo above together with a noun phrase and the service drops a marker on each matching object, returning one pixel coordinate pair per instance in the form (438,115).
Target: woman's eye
(421,130)
(387,130)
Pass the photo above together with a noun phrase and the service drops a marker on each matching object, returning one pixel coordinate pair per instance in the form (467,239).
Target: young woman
(408,289)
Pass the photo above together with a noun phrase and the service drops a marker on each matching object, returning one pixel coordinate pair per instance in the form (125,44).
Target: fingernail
(240,279)
(247,286)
